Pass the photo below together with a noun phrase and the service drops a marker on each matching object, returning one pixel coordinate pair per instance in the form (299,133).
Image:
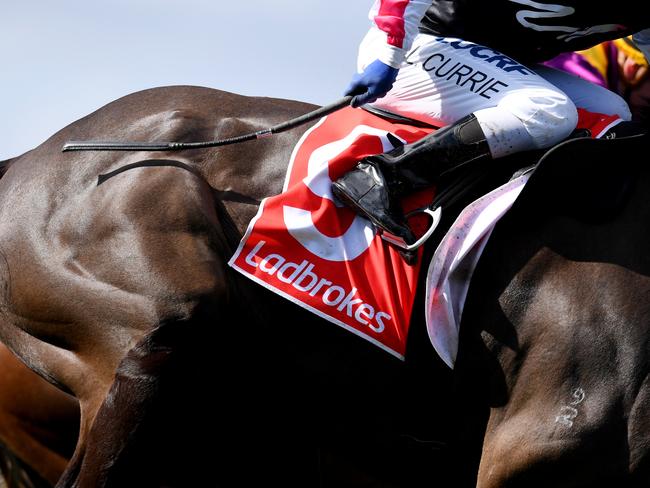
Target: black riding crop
(178,146)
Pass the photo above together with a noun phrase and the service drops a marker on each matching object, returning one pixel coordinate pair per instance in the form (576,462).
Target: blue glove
(376,80)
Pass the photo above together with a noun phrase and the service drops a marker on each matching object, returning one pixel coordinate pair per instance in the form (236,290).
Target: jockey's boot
(374,187)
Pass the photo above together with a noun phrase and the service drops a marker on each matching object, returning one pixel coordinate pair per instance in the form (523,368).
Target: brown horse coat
(559,322)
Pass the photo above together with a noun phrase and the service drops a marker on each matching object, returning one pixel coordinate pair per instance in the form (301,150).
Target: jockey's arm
(398,21)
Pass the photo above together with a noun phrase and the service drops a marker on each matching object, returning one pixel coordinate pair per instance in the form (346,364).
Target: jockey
(460,64)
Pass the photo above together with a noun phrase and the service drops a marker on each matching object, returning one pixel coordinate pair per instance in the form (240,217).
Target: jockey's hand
(375,81)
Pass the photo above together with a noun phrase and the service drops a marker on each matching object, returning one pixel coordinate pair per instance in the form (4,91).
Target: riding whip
(178,146)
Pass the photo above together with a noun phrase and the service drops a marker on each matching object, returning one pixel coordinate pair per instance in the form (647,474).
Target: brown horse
(120,294)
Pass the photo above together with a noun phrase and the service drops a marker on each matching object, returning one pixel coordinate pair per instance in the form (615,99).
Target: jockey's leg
(492,105)
(586,95)
(595,98)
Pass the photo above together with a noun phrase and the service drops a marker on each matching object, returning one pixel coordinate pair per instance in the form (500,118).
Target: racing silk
(527,30)
(399,20)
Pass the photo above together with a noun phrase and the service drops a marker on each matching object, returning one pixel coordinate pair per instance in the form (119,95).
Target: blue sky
(64,59)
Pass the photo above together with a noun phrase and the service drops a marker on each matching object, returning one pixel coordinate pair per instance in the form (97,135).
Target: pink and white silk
(398,21)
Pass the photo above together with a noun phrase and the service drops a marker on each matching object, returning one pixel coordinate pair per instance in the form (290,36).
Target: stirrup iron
(434,213)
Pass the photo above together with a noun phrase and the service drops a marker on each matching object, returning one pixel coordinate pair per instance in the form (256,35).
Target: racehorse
(117,290)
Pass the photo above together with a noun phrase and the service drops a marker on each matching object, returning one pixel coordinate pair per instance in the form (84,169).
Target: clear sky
(63,59)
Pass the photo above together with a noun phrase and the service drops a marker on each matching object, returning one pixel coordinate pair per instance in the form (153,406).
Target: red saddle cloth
(320,255)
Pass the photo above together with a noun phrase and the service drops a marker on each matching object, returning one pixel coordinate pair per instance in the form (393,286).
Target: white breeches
(519,108)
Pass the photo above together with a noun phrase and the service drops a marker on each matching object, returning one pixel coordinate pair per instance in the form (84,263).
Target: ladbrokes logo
(304,279)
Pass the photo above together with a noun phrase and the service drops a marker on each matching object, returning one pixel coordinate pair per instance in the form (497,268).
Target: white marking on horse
(568,413)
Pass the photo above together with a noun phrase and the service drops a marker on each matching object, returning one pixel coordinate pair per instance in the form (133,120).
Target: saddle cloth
(308,248)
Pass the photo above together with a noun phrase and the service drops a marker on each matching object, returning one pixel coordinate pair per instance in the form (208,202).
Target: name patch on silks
(308,248)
